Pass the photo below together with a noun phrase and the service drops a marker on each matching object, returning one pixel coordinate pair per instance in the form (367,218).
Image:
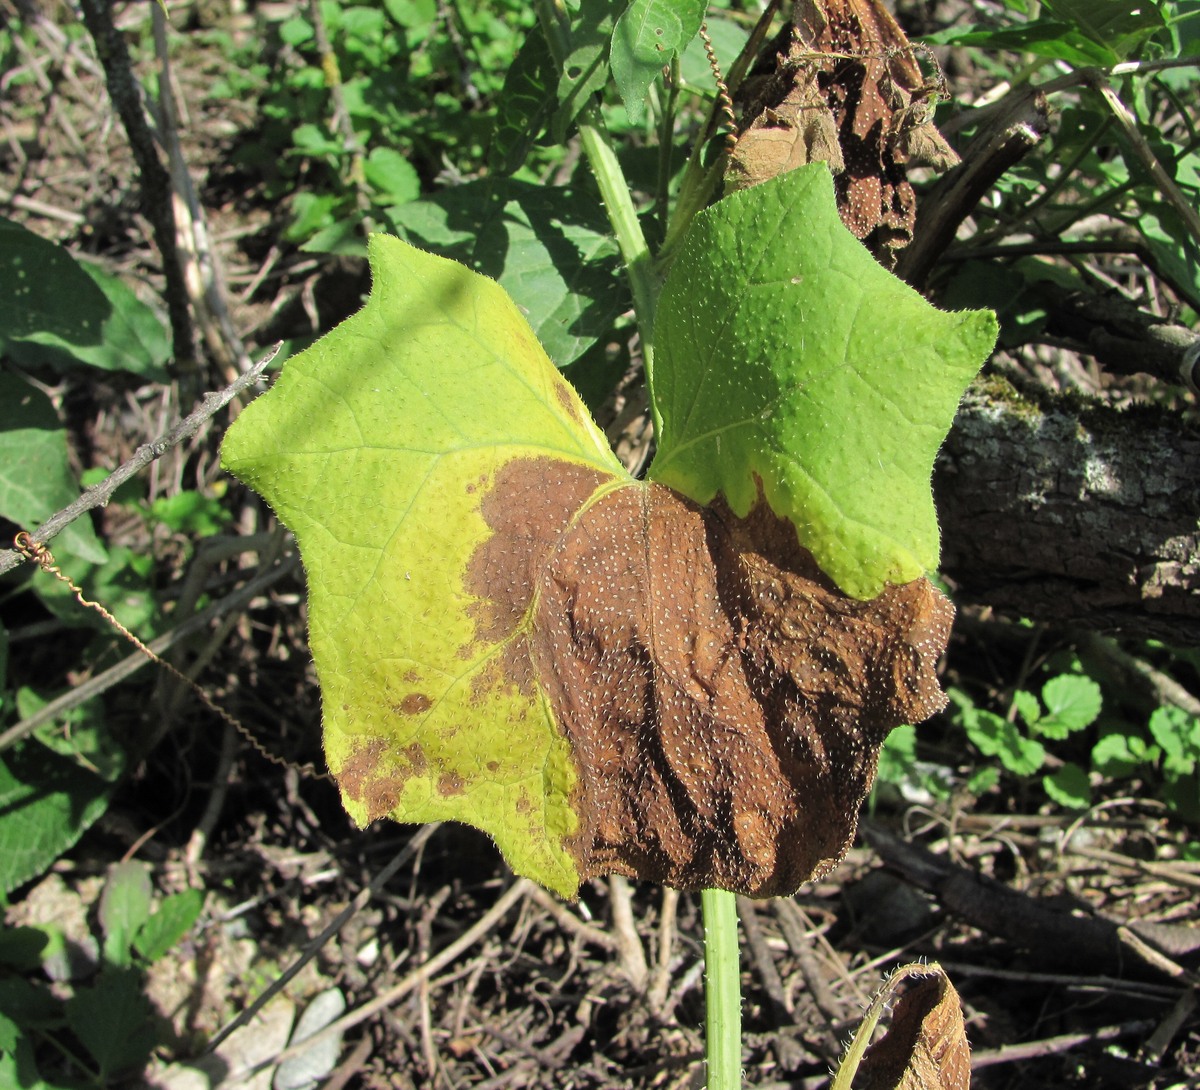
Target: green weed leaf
(1069,787)
(57,311)
(585,68)
(1027,706)
(1117,25)
(548,246)
(170,922)
(779,363)
(112,1020)
(124,908)
(997,737)
(526,102)
(1118,754)
(35,476)
(47,804)
(1072,703)
(1178,734)
(647,36)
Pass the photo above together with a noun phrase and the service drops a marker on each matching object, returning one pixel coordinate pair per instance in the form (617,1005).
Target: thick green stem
(618,201)
(722,990)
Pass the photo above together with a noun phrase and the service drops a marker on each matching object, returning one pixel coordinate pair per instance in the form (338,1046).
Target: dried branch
(156,182)
(99,495)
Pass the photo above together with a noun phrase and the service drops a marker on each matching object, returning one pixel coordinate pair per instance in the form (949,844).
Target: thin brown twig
(515,893)
(114,674)
(99,495)
(418,841)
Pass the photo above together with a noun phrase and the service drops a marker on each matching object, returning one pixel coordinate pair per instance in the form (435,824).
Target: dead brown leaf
(724,702)
(846,89)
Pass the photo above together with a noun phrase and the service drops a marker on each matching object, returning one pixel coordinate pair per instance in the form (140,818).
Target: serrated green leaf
(1072,703)
(170,922)
(112,1020)
(1069,787)
(35,475)
(997,737)
(525,104)
(384,495)
(548,246)
(983,781)
(783,352)
(585,66)
(124,908)
(47,804)
(648,35)
(1175,731)
(1027,706)
(1117,754)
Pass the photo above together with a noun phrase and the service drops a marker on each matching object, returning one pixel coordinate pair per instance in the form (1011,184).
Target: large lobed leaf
(603,674)
(788,361)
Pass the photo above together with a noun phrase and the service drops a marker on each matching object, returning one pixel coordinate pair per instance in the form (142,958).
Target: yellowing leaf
(376,447)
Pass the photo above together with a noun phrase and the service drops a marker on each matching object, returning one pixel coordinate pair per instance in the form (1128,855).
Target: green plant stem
(722,991)
(618,201)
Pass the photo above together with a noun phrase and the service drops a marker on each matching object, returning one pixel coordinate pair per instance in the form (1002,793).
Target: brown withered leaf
(723,701)
(846,89)
(925,1047)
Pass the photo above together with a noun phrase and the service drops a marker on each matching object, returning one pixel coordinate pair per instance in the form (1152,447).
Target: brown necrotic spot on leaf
(415,704)
(724,702)
(450,783)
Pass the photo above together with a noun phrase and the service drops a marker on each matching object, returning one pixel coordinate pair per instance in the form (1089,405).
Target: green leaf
(35,476)
(526,102)
(171,921)
(1178,733)
(1047,38)
(1118,25)
(21,947)
(47,804)
(898,757)
(81,734)
(1069,787)
(112,1021)
(783,353)
(1119,754)
(648,35)
(548,246)
(59,312)
(1072,703)
(1027,706)
(392,176)
(392,483)
(997,737)
(124,908)
(585,66)
(983,780)
(1182,794)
